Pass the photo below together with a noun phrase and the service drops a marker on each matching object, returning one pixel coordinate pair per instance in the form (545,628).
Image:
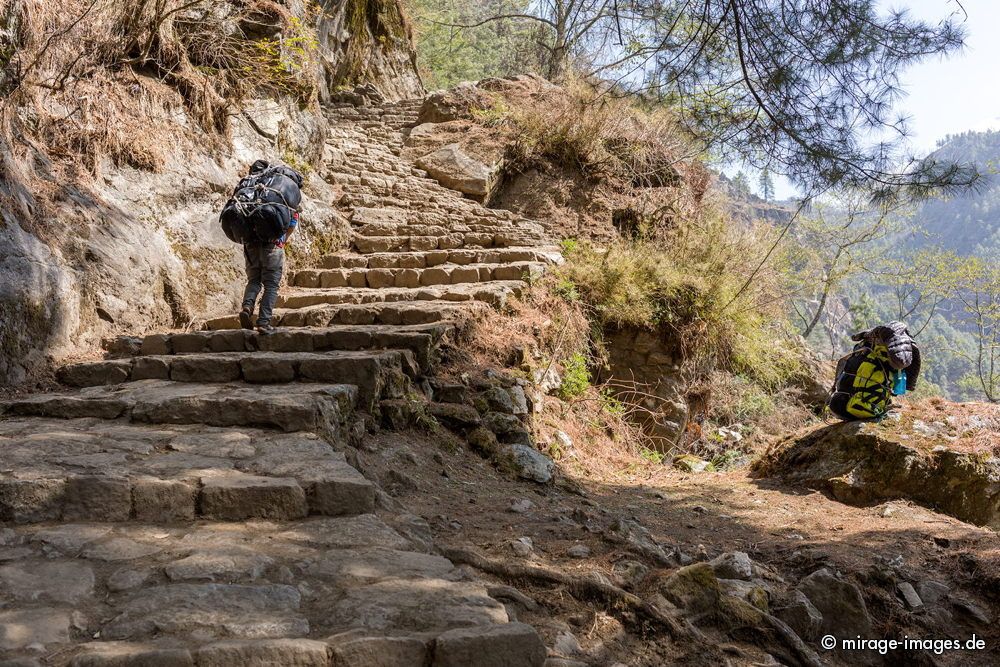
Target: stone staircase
(194,502)
(420,253)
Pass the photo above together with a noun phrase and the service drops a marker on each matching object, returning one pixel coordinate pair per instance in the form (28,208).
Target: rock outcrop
(454,168)
(367,42)
(937,464)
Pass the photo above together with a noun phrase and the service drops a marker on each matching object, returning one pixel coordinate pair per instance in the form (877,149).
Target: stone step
(403,312)
(322,408)
(421,229)
(443,224)
(107,471)
(420,260)
(421,340)
(495,293)
(442,274)
(437,211)
(311,592)
(503,238)
(375,374)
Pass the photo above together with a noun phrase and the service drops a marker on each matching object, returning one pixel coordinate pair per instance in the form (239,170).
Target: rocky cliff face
(367,42)
(116,247)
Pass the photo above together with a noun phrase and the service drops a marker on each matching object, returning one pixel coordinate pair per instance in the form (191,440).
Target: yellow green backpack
(863,385)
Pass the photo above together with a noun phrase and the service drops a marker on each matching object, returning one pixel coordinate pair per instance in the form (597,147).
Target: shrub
(585,128)
(576,377)
(736,399)
(695,287)
(652,456)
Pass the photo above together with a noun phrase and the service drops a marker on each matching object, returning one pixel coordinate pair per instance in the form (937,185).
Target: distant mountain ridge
(969,223)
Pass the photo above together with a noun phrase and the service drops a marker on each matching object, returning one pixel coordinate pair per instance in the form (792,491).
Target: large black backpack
(261,208)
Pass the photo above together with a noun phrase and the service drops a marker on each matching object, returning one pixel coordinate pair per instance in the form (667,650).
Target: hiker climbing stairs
(420,252)
(196,498)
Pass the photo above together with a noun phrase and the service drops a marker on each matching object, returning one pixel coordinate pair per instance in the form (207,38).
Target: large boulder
(453,168)
(801,616)
(865,463)
(458,103)
(839,602)
(531,464)
(733,565)
(813,379)
(729,604)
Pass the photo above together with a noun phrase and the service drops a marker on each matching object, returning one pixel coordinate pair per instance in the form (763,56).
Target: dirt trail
(793,531)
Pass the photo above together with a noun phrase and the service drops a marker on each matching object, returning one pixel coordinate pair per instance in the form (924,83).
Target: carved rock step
(320,591)
(375,373)
(495,293)
(417,199)
(420,260)
(391,218)
(404,312)
(95,470)
(323,408)
(421,340)
(443,274)
(506,238)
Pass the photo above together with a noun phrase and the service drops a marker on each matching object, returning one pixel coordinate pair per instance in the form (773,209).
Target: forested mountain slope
(967,223)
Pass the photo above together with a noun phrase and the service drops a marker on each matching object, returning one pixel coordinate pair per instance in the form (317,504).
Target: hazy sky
(953,94)
(961,92)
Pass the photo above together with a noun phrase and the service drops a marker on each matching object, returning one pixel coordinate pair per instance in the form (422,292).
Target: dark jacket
(863,385)
(902,349)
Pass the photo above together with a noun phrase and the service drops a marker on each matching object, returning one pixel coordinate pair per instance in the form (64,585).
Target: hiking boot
(265,329)
(246,319)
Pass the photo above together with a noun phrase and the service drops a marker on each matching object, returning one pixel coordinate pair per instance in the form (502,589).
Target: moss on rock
(697,590)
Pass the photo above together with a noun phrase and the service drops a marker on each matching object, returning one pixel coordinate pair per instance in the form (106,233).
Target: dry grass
(965,427)
(540,332)
(531,332)
(582,127)
(605,442)
(89,80)
(589,162)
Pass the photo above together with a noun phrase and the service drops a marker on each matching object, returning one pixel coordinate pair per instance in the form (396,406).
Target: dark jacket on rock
(902,350)
(864,379)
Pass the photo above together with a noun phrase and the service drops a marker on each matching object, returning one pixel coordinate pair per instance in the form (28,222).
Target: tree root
(579,587)
(792,642)
(679,629)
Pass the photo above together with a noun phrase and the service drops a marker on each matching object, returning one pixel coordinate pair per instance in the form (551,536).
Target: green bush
(652,455)
(737,399)
(694,287)
(576,377)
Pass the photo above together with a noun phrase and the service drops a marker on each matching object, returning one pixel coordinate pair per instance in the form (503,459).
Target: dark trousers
(265,264)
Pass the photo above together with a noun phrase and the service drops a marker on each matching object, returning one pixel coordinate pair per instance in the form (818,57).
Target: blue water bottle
(899,385)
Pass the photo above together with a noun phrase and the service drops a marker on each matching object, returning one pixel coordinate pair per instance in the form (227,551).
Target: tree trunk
(560,49)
